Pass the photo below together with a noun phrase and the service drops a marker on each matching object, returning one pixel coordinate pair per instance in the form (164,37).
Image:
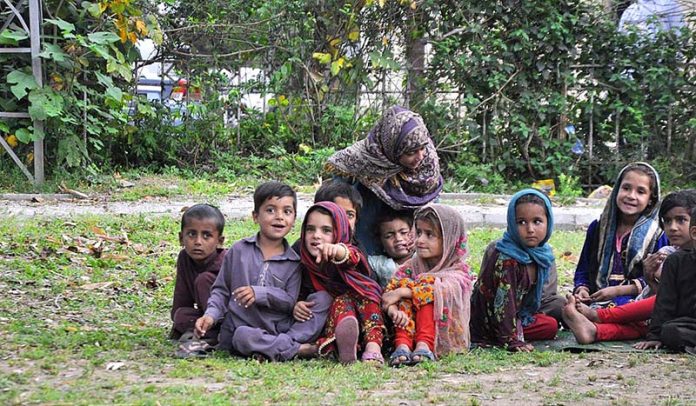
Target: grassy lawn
(85,314)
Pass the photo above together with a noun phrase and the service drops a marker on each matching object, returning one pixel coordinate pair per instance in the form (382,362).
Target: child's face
(347,205)
(275,217)
(395,236)
(532,223)
(200,238)
(428,242)
(676,223)
(412,159)
(318,230)
(634,193)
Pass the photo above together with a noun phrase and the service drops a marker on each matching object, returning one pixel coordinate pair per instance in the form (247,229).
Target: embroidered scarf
(642,238)
(374,161)
(453,281)
(338,279)
(513,247)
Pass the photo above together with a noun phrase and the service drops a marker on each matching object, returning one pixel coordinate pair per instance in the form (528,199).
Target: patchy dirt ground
(596,378)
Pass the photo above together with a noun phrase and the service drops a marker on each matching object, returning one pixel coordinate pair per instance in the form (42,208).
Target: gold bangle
(345,258)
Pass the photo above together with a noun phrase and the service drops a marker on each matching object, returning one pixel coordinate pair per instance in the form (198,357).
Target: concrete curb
(477,209)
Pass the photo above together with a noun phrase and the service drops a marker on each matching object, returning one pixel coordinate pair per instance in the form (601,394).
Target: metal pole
(35,38)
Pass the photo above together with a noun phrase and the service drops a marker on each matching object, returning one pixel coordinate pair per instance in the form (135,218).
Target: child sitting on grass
(630,321)
(505,307)
(197,267)
(313,306)
(332,264)
(673,321)
(257,287)
(396,237)
(609,271)
(428,297)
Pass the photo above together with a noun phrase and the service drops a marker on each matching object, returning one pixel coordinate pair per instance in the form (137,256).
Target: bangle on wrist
(345,257)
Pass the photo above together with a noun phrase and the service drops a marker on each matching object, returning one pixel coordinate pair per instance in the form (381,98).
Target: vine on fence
(499,87)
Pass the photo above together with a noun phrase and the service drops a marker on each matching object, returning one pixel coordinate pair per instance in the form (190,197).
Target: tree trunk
(415,60)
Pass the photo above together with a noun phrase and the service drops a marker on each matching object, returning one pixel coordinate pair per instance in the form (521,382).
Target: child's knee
(322,301)
(204,281)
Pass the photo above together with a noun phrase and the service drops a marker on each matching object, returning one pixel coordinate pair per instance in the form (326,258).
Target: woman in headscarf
(395,166)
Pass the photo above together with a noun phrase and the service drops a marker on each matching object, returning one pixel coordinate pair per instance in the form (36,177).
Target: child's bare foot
(307,351)
(583,329)
(347,332)
(587,311)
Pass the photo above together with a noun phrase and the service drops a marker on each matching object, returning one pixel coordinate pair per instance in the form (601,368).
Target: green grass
(74,302)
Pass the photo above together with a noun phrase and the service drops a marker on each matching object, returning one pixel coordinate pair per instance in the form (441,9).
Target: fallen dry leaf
(97,285)
(113,366)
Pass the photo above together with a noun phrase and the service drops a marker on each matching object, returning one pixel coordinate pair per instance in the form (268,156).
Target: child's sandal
(372,357)
(194,349)
(424,355)
(395,360)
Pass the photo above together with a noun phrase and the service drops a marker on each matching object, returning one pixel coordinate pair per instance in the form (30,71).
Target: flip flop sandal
(373,357)
(347,340)
(425,355)
(194,349)
(395,360)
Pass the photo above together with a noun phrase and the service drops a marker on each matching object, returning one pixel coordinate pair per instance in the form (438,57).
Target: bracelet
(345,258)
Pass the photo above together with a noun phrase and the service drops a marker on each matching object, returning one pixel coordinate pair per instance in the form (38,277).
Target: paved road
(477,209)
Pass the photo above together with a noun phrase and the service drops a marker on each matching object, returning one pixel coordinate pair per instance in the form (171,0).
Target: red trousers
(425,329)
(544,328)
(625,322)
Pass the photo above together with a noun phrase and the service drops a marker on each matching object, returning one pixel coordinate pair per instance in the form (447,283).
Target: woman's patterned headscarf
(374,161)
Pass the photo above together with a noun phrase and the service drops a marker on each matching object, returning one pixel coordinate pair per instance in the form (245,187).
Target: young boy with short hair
(197,266)
(257,287)
(345,196)
(395,235)
(673,321)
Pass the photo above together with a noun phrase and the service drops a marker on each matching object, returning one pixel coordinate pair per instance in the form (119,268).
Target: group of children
(418,300)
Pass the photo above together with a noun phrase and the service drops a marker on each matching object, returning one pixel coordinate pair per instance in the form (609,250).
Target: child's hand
(652,264)
(607,293)
(244,295)
(399,318)
(303,311)
(526,347)
(583,295)
(647,345)
(411,243)
(390,298)
(331,252)
(203,324)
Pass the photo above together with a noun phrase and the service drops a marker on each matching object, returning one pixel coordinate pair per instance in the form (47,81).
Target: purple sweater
(276,284)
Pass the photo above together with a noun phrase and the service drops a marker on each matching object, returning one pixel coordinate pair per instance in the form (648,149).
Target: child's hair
(682,198)
(391,215)
(204,212)
(430,217)
(530,198)
(332,189)
(693,218)
(273,189)
(649,172)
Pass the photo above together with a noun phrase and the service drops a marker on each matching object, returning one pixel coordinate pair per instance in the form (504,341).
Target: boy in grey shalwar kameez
(258,285)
